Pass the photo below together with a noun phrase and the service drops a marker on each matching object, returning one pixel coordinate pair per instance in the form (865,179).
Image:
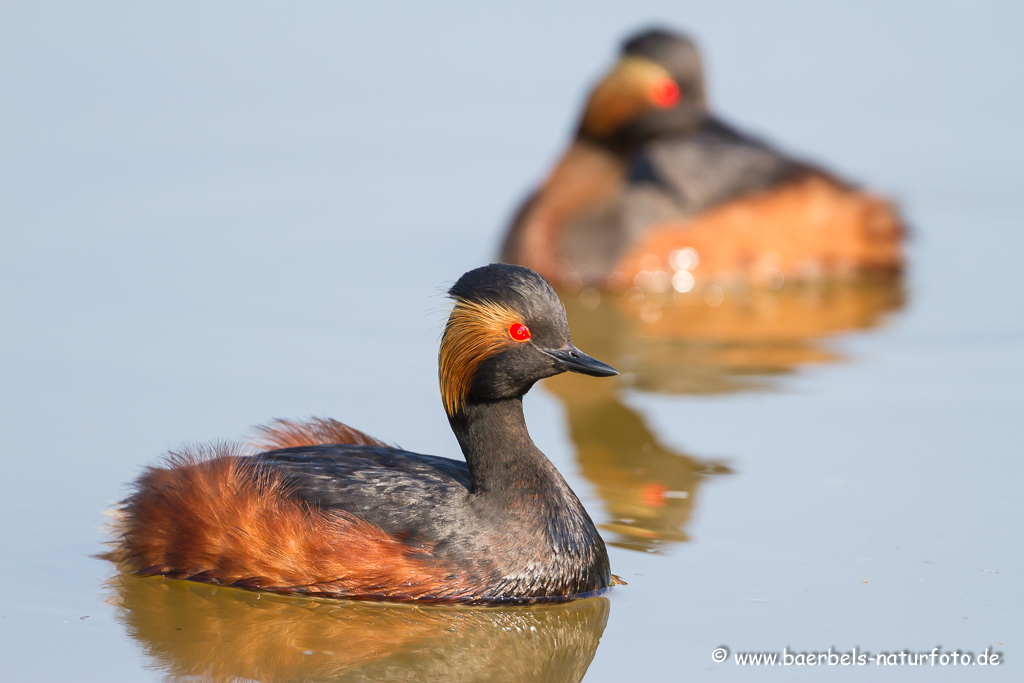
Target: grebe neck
(534,512)
(502,457)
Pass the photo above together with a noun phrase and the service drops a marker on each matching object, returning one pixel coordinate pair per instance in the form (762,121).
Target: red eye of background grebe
(665,92)
(519,332)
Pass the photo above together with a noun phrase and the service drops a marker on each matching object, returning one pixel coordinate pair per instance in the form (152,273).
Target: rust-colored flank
(584,180)
(210,516)
(802,230)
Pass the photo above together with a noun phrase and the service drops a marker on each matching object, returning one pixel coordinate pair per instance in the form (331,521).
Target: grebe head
(676,53)
(659,76)
(506,330)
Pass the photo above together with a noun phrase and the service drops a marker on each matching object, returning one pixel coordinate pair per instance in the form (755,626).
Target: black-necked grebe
(655,183)
(363,520)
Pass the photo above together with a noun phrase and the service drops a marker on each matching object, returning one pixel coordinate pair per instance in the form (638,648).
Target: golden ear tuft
(629,89)
(476,330)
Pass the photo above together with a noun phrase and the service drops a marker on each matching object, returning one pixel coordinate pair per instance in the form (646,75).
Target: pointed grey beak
(573,360)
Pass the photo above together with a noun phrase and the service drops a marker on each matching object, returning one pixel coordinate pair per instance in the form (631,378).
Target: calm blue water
(214,216)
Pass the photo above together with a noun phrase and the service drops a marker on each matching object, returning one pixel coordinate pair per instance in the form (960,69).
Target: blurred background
(217,215)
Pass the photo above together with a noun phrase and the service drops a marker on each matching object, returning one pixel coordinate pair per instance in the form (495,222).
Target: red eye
(665,93)
(519,332)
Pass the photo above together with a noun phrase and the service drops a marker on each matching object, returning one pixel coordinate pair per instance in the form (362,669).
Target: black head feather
(517,287)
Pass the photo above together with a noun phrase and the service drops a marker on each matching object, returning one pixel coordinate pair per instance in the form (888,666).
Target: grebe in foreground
(362,520)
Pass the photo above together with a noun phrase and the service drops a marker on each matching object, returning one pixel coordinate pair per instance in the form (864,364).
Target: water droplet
(684,259)
(682,281)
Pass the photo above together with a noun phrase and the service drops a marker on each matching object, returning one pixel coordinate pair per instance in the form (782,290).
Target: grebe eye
(519,332)
(665,93)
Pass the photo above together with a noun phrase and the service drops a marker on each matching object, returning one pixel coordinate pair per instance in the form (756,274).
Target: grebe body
(363,520)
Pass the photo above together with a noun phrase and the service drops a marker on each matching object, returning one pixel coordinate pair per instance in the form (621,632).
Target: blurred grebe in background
(656,192)
(340,513)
